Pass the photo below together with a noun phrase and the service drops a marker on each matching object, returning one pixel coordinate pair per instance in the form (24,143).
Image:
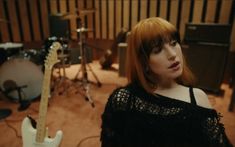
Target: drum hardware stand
(83,69)
(4,112)
(24,104)
(62,77)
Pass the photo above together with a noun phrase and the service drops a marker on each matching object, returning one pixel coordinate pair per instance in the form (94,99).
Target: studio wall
(27,20)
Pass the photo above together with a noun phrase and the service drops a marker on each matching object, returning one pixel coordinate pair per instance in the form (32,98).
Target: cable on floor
(86,138)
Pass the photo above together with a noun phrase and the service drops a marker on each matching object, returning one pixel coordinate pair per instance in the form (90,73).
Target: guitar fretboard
(41,124)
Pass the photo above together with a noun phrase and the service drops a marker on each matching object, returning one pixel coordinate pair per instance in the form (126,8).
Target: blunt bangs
(154,33)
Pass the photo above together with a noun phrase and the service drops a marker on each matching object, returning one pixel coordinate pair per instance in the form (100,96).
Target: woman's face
(167,62)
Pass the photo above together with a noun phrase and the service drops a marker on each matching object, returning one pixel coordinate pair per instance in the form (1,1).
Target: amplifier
(207,32)
(208,63)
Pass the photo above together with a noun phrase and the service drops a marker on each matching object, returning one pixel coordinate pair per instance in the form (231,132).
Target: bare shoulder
(201,98)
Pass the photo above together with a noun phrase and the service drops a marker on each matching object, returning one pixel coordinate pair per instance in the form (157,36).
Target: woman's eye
(156,50)
(173,43)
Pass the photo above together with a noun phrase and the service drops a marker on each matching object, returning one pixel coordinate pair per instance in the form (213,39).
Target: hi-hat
(84,30)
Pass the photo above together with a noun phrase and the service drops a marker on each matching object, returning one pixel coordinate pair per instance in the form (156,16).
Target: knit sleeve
(113,118)
(214,131)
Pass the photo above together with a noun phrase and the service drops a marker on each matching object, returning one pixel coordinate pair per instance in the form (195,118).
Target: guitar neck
(41,124)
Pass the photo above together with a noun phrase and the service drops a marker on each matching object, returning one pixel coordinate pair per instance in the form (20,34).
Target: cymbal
(70,16)
(84,30)
(86,11)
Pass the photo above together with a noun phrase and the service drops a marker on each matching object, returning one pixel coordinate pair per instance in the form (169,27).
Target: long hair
(144,36)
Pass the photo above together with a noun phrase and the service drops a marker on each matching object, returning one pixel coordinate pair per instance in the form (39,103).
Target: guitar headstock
(52,57)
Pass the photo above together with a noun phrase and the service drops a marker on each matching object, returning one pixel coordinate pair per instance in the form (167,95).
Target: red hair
(144,35)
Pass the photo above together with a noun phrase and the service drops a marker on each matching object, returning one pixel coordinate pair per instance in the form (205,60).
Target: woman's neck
(166,84)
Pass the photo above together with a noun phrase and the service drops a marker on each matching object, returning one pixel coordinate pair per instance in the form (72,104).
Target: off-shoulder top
(135,118)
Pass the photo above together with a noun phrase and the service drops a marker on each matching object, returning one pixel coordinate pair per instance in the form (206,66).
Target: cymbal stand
(84,79)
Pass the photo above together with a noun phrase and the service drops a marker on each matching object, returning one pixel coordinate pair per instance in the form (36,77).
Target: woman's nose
(170,51)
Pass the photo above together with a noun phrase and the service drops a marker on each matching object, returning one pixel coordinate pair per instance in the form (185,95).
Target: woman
(159,107)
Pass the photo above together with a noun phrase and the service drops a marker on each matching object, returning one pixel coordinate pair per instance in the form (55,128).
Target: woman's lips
(175,64)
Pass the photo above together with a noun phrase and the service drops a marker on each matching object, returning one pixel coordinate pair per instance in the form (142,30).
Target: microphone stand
(24,104)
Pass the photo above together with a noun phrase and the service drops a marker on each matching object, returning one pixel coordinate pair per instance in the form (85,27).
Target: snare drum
(20,72)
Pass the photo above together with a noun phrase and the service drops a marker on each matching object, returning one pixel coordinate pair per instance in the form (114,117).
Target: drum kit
(20,78)
(21,71)
(20,74)
(81,77)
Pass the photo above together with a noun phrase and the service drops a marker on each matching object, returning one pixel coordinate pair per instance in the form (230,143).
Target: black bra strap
(192,97)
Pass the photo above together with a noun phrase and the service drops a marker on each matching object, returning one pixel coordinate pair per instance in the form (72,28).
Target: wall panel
(90,19)
(97,19)
(5,36)
(53,6)
(13,20)
(35,20)
(210,13)
(184,16)
(118,16)
(29,18)
(44,18)
(225,11)
(134,12)
(143,12)
(174,12)
(110,19)
(104,19)
(24,21)
(126,14)
(197,14)
(152,8)
(163,9)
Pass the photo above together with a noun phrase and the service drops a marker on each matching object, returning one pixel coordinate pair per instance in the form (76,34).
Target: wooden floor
(70,112)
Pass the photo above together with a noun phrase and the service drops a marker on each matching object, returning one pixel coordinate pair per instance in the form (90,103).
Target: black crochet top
(133,117)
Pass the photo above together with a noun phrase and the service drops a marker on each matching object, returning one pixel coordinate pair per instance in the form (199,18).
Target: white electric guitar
(39,137)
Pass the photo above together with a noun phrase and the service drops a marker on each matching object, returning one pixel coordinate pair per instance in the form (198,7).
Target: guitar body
(29,136)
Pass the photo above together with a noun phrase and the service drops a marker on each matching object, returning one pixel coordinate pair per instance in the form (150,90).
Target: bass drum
(22,76)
